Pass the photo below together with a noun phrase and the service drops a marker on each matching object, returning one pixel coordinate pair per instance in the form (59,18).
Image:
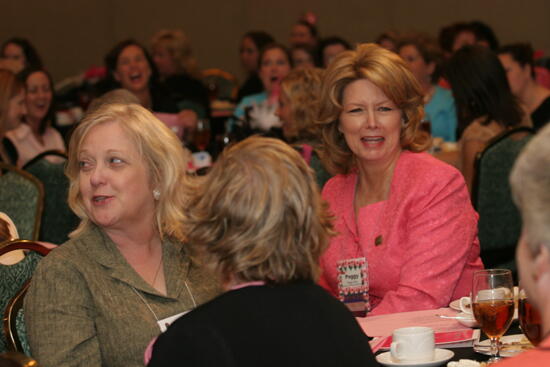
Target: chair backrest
(222,83)
(14,283)
(17,359)
(499,220)
(58,220)
(22,199)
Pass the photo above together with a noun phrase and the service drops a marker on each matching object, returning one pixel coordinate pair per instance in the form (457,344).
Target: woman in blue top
(423,57)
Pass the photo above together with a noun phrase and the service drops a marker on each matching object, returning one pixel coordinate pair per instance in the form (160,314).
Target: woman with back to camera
(12,110)
(36,135)
(264,241)
(485,105)
(517,60)
(423,56)
(249,51)
(405,222)
(179,71)
(98,299)
(297,110)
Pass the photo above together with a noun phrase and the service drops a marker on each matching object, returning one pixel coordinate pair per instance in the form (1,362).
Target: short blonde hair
(258,214)
(530,183)
(302,87)
(388,72)
(161,151)
(179,46)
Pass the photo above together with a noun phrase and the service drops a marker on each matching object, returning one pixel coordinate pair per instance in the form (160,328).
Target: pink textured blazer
(429,247)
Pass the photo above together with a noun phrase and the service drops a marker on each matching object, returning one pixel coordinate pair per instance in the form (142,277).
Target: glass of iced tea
(493,304)
(202,134)
(529,319)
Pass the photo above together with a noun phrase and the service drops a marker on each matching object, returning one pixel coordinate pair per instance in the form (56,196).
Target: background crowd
(366,159)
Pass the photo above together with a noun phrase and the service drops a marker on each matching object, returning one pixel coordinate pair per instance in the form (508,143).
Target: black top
(252,85)
(298,324)
(541,115)
(188,93)
(10,150)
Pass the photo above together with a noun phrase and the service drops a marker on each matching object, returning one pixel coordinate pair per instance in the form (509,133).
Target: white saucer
(440,356)
(455,305)
(467,319)
(511,345)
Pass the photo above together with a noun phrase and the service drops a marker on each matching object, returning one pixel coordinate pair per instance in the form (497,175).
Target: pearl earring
(156,194)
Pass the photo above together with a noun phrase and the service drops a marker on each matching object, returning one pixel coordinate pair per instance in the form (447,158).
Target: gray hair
(530,182)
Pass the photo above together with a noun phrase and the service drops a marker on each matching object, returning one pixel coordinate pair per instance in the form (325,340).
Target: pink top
(531,358)
(429,247)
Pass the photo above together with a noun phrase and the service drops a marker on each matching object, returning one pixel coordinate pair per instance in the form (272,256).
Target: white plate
(511,345)
(440,356)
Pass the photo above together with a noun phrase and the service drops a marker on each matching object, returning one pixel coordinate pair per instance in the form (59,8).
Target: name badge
(353,285)
(164,323)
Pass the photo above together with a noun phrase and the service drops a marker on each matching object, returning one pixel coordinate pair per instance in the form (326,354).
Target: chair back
(17,359)
(14,284)
(58,220)
(499,220)
(22,199)
(222,84)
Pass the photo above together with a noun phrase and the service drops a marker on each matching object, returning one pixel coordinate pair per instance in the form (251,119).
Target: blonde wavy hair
(179,46)
(302,88)
(161,150)
(388,72)
(258,215)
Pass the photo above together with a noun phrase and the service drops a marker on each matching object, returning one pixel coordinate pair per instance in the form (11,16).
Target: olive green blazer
(83,307)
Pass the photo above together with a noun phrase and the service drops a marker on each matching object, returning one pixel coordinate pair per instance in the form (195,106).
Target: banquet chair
(22,199)
(58,220)
(17,360)
(221,82)
(499,223)
(14,283)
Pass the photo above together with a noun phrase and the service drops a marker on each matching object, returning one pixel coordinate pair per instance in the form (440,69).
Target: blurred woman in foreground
(264,240)
(101,297)
(407,229)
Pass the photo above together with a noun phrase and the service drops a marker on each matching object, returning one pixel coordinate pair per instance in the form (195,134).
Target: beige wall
(72,34)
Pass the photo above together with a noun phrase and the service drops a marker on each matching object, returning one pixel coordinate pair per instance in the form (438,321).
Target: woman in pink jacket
(407,230)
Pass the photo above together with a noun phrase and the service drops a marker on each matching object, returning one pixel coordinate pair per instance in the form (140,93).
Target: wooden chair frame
(16,303)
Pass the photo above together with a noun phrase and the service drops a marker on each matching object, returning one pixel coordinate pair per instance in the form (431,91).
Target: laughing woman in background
(36,135)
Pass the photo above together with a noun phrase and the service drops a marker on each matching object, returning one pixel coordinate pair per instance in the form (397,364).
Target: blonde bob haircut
(178,45)
(388,72)
(161,151)
(258,215)
(302,88)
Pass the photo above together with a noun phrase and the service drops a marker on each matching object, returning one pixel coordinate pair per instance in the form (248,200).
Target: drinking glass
(493,305)
(201,137)
(529,319)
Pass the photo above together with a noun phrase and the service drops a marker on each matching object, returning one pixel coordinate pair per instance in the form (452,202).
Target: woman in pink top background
(406,213)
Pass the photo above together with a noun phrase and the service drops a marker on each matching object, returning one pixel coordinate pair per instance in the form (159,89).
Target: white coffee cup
(465,305)
(413,344)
